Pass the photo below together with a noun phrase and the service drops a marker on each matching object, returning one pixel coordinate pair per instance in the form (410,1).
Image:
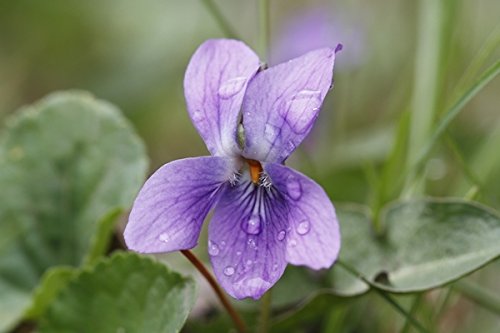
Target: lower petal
(168,212)
(313,237)
(247,239)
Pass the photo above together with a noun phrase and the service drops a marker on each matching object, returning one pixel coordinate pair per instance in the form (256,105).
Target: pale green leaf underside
(427,243)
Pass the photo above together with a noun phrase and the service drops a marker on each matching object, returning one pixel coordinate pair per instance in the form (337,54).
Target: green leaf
(53,281)
(65,162)
(126,293)
(101,239)
(427,243)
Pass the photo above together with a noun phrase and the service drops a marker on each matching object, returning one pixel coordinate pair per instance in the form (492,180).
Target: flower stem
(265,310)
(238,322)
(264,28)
(220,19)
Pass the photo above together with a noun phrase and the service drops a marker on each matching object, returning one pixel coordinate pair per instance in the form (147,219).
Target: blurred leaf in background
(66,161)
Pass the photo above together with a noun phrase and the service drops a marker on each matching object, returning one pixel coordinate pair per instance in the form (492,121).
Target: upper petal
(170,208)
(214,85)
(282,103)
(247,240)
(314,237)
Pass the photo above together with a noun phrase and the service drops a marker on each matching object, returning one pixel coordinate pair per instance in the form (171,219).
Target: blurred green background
(134,53)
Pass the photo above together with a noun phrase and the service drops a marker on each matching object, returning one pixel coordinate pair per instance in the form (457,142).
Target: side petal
(247,240)
(214,85)
(170,208)
(313,237)
(282,103)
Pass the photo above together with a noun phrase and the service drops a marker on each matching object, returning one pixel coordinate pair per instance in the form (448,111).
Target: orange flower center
(255,170)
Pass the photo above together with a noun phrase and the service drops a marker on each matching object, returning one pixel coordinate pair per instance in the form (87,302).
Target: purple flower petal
(247,239)
(170,208)
(282,103)
(313,238)
(214,85)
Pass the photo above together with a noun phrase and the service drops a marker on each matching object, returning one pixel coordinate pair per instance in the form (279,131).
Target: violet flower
(266,214)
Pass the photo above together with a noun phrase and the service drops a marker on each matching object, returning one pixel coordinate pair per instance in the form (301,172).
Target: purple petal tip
(339,47)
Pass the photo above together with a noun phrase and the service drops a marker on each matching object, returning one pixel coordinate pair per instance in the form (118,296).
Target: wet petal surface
(170,208)
(313,236)
(247,240)
(282,103)
(214,85)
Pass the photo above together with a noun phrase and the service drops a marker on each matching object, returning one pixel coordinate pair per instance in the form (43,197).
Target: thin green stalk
(402,311)
(264,30)
(426,90)
(468,172)
(487,49)
(413,310)
(386,297)
(453,112)
(265,313)
(479,295)
(442,306)
(450,115)
(223,24)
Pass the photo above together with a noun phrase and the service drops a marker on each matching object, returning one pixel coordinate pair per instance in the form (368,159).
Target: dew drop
(271,132)
(238,253)
(249,262)
(213,249)
(294,188)
(222,244)
(252,226)
(197,115)
(303,227)
(164,237)
(251,243)
(275,267)
(281,235)
(229,270)
(231,87)
(303,109)
(293,243)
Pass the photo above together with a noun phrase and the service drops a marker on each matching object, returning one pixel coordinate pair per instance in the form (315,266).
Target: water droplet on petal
(197,115)
(303,227)
(293,243)
(251,286)
(238,253)
(231,87)
(251,243)
(229,270)
(252,226)
(164,237)
(271,132)
(222,244)
(275,267)
(303,109)
(281,235)
(213,248)
(294,188)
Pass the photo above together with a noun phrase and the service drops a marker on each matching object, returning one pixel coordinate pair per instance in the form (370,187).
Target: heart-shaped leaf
(65,162)
(427,243)
(126,293)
